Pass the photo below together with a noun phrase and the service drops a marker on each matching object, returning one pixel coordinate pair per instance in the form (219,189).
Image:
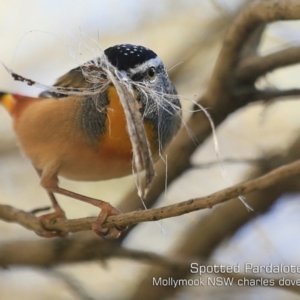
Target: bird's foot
(107,233)
(58,214)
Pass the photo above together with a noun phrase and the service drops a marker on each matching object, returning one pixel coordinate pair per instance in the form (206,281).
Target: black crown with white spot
(127,56)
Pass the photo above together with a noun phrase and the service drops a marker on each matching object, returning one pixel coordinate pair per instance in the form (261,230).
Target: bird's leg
(106,210)
(50,183)
(57,214)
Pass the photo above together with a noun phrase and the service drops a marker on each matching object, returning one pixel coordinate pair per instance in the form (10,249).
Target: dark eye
(151,72)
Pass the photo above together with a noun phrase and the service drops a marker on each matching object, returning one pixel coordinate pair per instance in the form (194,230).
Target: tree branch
(270,94)
(267,94)
(27,220)
(255,66)
(228,160)
(251,45)
(256,14)
(49,253)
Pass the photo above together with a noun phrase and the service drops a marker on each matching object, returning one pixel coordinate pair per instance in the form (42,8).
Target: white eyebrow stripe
(153,62)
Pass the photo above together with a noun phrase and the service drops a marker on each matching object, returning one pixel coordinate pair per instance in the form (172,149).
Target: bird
(84,137)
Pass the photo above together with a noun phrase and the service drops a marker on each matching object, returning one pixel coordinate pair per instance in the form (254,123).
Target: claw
(44,219)
(107,233)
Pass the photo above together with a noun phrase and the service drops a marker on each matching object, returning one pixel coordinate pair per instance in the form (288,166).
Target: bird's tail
(8,101)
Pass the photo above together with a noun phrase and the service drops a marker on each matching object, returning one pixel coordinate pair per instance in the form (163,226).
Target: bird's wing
(73,78)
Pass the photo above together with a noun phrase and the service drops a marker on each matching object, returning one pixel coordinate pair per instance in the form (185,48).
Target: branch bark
(49,253)
(53,252)
(255,66)
(10,214)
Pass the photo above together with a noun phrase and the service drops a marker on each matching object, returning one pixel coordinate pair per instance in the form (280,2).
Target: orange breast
(116,142)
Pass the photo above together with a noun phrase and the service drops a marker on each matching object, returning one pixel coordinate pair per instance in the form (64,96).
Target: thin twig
(27,220)
(229,160)
(266,94)
(270,94)
(74,285)
(255,66)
